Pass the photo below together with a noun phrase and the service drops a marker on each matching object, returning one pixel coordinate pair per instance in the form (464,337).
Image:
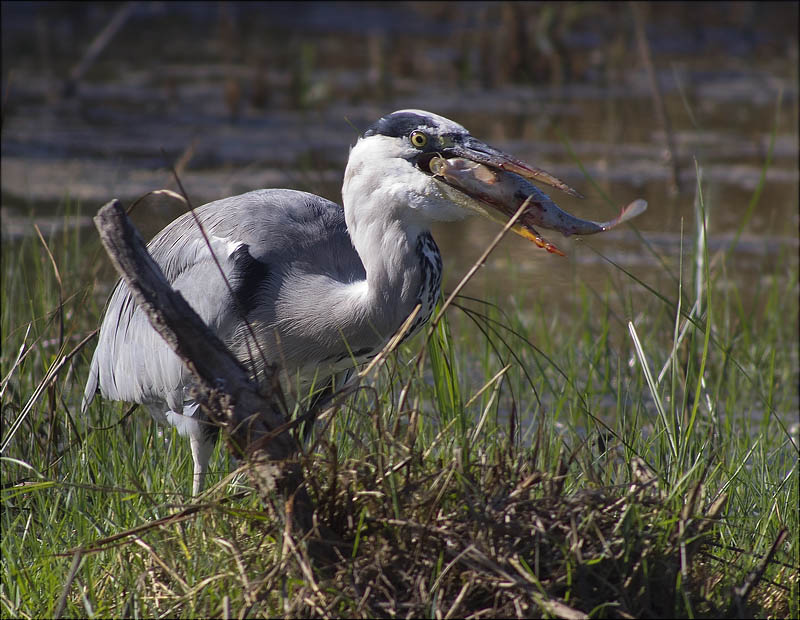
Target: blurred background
(621,100)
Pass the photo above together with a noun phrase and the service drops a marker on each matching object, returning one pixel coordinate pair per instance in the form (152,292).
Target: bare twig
(658,98)
(242,315)
(742,592)
(96,48)
(478,264)
(73,572)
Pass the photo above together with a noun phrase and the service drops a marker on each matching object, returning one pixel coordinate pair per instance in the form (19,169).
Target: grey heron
(322,286)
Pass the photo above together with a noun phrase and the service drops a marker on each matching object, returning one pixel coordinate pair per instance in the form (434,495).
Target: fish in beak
(503,182)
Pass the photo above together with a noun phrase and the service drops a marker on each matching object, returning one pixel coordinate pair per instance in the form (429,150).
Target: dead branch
(252,422)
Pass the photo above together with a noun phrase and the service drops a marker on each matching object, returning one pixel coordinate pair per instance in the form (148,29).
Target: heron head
(394,162)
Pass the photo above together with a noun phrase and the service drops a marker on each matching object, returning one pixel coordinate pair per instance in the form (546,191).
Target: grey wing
(258,239)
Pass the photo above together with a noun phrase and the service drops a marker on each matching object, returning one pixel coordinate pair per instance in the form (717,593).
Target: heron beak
(481,153)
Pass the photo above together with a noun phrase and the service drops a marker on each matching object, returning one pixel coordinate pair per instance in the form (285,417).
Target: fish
(507,191)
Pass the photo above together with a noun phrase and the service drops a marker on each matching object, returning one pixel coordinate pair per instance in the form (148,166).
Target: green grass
(529,463)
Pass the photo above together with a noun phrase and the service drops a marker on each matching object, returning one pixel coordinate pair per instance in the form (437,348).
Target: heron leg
(202,448)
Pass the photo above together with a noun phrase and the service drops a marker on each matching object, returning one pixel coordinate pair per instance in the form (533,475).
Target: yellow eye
(418,139)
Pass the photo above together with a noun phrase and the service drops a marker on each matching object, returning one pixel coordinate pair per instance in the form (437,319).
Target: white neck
(388,204)
(384,232)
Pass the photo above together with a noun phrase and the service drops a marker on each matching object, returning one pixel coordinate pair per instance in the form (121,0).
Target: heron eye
(418,139)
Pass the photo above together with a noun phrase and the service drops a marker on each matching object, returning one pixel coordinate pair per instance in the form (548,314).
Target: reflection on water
(270,95)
